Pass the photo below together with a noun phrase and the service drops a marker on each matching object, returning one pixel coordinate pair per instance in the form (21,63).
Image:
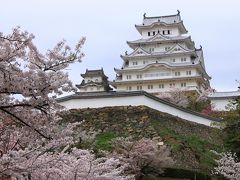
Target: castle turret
(94,81)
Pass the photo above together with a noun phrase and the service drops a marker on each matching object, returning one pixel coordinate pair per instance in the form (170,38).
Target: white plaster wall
(174,31)
(178,59)
(99,79)
(95,88)
(92,89)
(160,73)
(220,104)
(190,85)
(161,47)
(133,101)
(158,47)
(143,62)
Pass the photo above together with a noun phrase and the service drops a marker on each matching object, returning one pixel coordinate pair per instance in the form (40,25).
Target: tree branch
(13,40)
(24,123)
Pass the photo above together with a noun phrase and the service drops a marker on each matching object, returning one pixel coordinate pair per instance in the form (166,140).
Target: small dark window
(183,84)
(188,73)
(150,86)
(168,31)
(161,86)
(129,88)
(139,87)
(153,33)
(163,32)
(149,34)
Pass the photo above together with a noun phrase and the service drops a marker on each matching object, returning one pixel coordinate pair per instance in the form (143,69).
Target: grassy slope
(190,142)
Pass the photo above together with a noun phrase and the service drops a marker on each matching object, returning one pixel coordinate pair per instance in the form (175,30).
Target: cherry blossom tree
(144,156)
(34,144)
(29,82)
(194,101)
(77,164)
(228,166)
(176,96)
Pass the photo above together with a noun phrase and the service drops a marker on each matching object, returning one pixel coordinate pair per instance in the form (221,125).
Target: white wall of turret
(164,73)
(174,60)
(155,87)
(166,31)
(92,89)
(161,48)
(221,104)
(93,79)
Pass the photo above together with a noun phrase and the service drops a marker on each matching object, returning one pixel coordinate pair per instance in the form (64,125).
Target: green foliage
(166,132)
(103,141)
(199,147)
(171,138)
(196,143)
(202,151)
(177,174)
(232,128)
(198,106)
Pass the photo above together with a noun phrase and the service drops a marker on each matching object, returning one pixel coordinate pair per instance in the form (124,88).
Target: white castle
(164,58)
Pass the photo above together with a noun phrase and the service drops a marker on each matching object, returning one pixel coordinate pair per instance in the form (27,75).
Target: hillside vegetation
(190,142)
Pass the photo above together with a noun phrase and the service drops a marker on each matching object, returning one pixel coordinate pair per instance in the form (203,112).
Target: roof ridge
(153,17)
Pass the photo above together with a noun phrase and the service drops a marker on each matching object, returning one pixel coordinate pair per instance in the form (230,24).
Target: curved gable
(138,52)
(158,37)
(177,49)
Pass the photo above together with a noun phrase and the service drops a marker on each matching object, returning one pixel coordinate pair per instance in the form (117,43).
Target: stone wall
(190,142)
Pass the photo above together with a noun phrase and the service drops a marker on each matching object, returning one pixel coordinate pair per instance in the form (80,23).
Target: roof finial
(126,53)
(201,47)
(144,15)
(239,84)
(178,12)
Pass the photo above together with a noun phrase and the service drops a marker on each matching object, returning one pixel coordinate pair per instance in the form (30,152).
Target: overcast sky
(108,24)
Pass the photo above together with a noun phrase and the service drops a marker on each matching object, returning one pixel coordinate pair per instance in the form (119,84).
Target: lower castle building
(94,81)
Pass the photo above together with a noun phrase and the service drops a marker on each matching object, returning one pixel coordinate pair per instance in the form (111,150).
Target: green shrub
(103,140)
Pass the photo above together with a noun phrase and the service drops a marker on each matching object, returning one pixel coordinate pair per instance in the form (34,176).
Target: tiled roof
(168,39)
(98,72)
(149,22)
(224,94)
(157,64)
(166,19)
(153,54)
(90,95)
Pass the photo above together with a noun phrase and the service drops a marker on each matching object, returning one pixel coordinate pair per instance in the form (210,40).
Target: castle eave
(156,55)
(159,64)
(141,42)
(157,80)
(179,24)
